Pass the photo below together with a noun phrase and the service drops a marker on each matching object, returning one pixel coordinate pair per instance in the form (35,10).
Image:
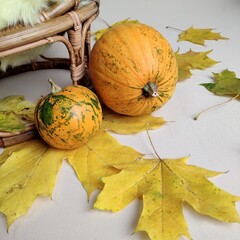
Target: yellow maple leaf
(97,158)
(165,185)
(100,32)
(8,151)
(192,60)
(199,35)
(28,170)
(129,125)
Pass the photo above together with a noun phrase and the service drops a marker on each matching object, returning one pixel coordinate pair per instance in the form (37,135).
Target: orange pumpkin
(133,69)
(68,117)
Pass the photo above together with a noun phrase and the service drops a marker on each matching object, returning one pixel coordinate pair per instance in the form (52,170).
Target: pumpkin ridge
(138,35)
(124,60)
(119,52)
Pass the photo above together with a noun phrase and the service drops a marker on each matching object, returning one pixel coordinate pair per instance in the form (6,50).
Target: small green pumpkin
(68,117)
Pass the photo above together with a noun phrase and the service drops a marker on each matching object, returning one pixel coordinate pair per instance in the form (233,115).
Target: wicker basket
(65,17)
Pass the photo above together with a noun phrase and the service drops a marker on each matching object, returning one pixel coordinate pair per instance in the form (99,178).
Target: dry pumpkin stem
(54,87)
(215,106)
(150,89)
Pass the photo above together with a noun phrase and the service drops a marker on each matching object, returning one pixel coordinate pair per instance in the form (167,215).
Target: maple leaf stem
(218,105)
(165,164)
(150,140)
(169,27)
(105,22)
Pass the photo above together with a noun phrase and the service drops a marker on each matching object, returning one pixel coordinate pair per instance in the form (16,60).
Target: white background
(212,142)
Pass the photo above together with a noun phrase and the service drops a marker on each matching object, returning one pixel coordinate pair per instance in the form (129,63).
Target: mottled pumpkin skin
(124,60)
(68,118)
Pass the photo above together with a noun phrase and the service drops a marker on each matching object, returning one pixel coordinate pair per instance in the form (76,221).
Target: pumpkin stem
(150,89)
(55,87)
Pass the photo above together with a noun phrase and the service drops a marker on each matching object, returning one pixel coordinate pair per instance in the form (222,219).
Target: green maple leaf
(226,83)
(199,35)
(10,123)
(15,113)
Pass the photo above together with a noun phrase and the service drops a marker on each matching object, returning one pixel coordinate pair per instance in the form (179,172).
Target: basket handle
(15,37)
(58,9)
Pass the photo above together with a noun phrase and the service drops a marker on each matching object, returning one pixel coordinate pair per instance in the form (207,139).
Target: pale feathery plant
(26,12)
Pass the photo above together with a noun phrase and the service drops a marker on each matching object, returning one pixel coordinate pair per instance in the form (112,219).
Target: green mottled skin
(68,118)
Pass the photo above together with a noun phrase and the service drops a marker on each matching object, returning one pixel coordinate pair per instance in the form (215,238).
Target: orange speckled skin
(68,118)
(124,60)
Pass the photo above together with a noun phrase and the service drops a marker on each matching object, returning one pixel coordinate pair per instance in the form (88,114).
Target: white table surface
(212,142)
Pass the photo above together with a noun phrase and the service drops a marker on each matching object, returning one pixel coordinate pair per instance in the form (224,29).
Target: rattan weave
(64,22)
